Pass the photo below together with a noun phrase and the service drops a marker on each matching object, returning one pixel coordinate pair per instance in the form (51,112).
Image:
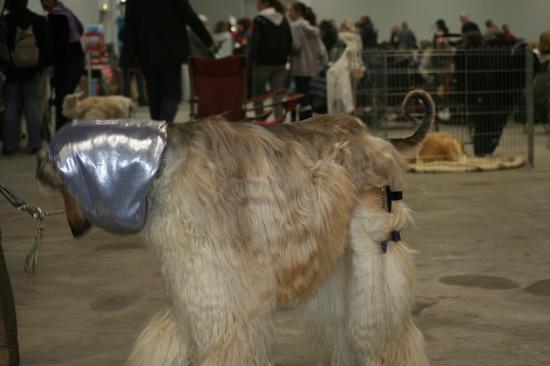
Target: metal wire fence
(484,96)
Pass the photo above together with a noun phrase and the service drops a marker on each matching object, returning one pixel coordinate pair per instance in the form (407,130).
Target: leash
(38,215)
(390,196)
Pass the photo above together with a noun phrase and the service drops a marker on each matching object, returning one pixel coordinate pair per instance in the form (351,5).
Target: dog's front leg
(226,296)
(161,343)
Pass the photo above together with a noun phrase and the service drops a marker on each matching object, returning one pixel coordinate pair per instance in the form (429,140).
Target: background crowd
(38,46)
(285,46)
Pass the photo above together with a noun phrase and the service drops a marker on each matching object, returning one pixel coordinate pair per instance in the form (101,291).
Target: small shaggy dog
(244,218)
(96,108)
(440,146)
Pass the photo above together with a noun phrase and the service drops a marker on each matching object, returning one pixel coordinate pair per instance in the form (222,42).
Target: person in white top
(223,39)
(308,53)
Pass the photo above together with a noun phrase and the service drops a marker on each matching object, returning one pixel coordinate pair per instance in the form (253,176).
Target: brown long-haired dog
(440,146)
(244,218)
(92,108)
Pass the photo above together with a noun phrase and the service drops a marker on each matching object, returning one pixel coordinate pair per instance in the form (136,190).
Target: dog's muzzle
(107,167)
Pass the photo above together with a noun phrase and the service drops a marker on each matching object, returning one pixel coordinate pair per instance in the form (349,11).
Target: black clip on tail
(390,197)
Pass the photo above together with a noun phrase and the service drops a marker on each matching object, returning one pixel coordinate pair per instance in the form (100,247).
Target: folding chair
(218,87)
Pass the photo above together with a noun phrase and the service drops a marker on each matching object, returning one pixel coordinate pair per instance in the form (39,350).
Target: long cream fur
(244,218)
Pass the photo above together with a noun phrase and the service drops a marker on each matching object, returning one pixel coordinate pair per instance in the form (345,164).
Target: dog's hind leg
(367,315)
(382,292)
(407,348)
(161,343)
(323,317)
(369,319)
(405,343)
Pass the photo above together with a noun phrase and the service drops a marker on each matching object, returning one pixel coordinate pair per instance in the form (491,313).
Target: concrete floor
(483,270)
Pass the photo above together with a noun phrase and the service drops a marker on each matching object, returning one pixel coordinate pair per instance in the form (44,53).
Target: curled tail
(408,145)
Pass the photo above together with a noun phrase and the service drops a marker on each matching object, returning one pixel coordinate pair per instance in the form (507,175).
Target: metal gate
(484,96)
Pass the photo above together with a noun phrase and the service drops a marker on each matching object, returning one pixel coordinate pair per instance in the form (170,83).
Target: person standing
(406,40)
(369,34)
(270,47)
(349,35)
(29,46)
(541,82)
(492,31)
(128,76)
(394,36)
(242,36)
(68,60)
(441,26)
(436,68)
(224,40)
(489,97)
(9,347)
(467,25)
(156,41)
(329,35)
(507,33)
(308,53)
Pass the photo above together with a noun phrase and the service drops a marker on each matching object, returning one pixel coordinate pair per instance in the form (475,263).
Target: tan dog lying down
(94,108)
(440,146)
(244,218)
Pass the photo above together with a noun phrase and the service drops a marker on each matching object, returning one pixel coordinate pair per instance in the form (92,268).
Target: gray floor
(483,270)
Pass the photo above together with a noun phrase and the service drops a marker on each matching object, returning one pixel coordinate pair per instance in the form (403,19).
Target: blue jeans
(23,94)
(275,76)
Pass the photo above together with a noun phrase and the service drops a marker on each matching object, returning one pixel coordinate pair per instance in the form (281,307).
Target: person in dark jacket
(242,36)
(128,75)
(467,25)
(9,347)
(369,34)
(542,79)
(197,47)
(406,40)
(490,77)
(66,31)
(156,41)
(270,47)
(329,34)
(4,54)
(29,45)
(441,26)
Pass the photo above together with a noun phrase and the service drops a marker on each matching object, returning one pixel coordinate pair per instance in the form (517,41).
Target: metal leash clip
(38,215)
